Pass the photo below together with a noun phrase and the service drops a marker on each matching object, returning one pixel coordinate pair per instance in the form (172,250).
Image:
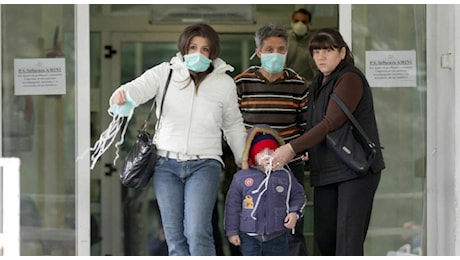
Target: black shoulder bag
(139,165)
(356,156)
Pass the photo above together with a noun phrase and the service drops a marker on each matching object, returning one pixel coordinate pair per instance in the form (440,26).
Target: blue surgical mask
(123,110)
(273,62)
(196,62)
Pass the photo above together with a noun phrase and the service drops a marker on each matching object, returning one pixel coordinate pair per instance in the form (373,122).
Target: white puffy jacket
(191,122)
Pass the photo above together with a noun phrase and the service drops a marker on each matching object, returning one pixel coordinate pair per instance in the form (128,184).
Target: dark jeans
(251,246)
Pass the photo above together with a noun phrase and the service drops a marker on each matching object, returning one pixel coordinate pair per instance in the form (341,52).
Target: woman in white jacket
(200,104)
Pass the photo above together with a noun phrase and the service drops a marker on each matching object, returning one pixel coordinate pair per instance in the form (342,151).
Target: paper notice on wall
(39,76)
(391,68)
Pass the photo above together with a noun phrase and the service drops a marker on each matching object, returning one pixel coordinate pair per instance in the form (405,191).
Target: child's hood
(252,132)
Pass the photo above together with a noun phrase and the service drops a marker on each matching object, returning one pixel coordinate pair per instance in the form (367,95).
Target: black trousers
(342,213)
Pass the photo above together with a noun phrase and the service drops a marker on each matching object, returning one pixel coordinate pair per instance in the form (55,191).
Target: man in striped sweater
(274,95)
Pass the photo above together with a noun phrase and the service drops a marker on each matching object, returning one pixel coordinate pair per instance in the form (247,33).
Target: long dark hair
(205,31)
(328,38)
(202,30)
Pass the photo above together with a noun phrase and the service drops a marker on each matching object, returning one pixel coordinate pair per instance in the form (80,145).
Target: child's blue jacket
(261,209)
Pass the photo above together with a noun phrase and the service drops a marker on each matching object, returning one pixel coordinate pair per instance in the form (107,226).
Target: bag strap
(353,120)
(161,105)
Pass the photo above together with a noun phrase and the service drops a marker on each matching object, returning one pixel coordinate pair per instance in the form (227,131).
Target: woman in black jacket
(342,198)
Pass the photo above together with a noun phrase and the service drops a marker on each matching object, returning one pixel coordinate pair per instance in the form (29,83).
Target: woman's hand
(305,157)
(282,156)
(119,97)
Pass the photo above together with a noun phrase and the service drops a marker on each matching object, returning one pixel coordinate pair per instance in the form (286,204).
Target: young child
(262,204)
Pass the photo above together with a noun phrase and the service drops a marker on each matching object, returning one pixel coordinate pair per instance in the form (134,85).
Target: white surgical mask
(299,28)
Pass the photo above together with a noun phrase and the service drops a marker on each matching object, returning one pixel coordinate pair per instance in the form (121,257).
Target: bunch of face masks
(124,110)
(121,115)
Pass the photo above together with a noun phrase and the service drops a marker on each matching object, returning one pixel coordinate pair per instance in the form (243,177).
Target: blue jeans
(186,192)
(251,246)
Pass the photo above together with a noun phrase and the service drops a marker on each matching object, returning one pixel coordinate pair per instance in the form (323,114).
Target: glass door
(399,215)
(133,212)
(38,125)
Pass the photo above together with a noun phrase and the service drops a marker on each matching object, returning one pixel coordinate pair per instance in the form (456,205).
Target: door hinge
(446,61)
(110,169)
(110,51)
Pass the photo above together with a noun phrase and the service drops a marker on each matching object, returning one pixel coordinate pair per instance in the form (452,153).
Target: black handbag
(139,165)
(358,157)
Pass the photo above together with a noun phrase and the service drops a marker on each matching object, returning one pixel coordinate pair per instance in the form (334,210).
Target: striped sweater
(282,104)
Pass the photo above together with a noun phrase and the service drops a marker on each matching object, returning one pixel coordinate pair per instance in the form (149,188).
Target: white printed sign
(39,76)
(391,68)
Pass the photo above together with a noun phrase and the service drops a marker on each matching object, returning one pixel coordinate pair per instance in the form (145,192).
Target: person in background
(298,56)
(274,95)
(200,104)
(342,199)
(262,205)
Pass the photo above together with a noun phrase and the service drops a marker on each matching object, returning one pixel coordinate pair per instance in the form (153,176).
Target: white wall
(443,218)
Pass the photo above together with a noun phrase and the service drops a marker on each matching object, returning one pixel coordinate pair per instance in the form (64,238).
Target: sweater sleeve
(298,199)
(145,87)
(350,89)
(233,127)
(233,206)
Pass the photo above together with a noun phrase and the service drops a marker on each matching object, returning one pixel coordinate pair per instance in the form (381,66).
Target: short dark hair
(303,11)
(202,30)
(328,38)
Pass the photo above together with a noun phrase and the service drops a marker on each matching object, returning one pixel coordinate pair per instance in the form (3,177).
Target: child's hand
(235,240)
(290,220)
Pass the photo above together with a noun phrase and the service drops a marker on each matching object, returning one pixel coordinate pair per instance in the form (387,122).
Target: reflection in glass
(39,129)
(398,218)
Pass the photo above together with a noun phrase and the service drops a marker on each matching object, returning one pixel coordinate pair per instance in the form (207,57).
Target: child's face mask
(264,159)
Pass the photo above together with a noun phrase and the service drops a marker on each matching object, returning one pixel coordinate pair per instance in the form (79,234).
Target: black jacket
(325,166)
